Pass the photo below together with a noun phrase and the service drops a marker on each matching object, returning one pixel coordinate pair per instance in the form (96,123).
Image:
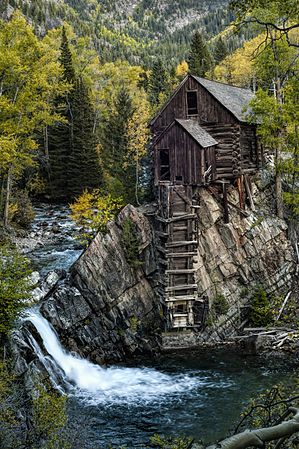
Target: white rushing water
(97,384)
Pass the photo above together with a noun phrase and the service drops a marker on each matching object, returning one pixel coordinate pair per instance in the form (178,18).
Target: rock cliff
(108,310)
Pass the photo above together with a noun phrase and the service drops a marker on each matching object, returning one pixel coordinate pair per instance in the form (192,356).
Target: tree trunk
(278,192)
(278,177)
(7,198)
(258,437)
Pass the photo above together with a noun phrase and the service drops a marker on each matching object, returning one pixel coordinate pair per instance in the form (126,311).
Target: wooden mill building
(200,137)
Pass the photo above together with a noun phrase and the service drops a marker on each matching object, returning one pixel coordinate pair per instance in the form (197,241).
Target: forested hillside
(137,30)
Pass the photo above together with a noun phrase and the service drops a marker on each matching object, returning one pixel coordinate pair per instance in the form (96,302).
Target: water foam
(96,384)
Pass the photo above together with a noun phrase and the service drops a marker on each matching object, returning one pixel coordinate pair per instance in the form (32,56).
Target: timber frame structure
(200,138)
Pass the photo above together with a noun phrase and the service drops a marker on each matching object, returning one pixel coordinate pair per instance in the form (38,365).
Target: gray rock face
(107,310)
(246,252)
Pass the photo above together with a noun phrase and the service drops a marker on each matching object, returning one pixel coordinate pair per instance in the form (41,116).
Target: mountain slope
(137,30)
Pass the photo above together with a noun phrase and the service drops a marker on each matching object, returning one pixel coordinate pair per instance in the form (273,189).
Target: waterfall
(99,384)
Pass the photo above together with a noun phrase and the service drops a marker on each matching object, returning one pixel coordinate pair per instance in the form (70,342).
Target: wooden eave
(176,122)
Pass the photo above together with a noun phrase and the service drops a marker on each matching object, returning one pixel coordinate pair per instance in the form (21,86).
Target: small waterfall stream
(124,406)
(115,384)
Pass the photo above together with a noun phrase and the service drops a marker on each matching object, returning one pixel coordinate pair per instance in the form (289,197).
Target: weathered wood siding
(188,162)
(249,149)
(209,109)
(228,153)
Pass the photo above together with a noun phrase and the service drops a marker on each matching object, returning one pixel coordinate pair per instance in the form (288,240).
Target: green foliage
(20,210)
(158,83)
(220,50)
(49,420)
(29,83)
(117,160)
(220,305)
(92,211)
(261,311)
(14,287)
(134,324)
(138,36)
(171,442)
(130,243)
(199,60)
(9,408)
(270,408)
(74,159)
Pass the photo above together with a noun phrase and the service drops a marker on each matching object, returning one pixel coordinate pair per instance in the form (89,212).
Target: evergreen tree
(199,60)
(115,144)
(66,59)
(220,51)
(157,83)
(83,164)
(60,136)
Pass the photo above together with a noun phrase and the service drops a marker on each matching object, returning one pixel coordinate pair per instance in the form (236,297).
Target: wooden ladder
(177,231)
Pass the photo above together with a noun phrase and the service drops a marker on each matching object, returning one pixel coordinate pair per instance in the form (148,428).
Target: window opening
(192,102)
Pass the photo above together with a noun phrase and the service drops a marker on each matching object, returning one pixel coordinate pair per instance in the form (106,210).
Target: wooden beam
(225,204)
(175,255)
(183,298)
(177,216)
(182,287)
(183,271)
(181,243)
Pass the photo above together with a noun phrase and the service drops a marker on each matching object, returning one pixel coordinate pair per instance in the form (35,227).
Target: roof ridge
(222,83)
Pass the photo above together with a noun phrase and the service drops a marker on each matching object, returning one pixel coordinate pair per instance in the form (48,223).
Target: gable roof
(197,132)
(233,98)
(200,135)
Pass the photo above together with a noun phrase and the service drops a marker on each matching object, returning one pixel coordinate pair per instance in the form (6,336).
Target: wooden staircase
(177,231)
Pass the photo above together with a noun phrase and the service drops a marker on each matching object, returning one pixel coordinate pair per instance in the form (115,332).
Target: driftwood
(283,305)
(258,437)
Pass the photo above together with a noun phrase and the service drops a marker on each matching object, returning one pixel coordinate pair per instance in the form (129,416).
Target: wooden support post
(240,184)
(248,191)
(225,203)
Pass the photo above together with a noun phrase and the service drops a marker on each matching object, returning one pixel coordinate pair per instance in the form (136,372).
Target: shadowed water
(200,394)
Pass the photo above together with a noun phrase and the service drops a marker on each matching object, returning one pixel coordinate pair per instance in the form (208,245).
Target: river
(195,393)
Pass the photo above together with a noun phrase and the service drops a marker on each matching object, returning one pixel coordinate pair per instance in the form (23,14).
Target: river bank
(126,403)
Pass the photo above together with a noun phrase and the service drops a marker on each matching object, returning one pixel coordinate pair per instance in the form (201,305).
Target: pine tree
(116,146)
(199,60)
(66,58)
(60,136)
(157,83)
(220,51)
(83,164)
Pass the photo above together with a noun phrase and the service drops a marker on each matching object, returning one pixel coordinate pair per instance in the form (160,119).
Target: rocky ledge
(109,310)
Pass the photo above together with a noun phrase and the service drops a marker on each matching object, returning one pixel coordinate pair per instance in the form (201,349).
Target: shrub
(92,211)
(171,442)
(130,243)
(20,209)
(261,313)
(15,287)
(220,305)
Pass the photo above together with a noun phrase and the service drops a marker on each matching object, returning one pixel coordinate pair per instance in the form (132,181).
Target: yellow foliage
(92,211)
(138,130)
(182,69)
(238,68)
